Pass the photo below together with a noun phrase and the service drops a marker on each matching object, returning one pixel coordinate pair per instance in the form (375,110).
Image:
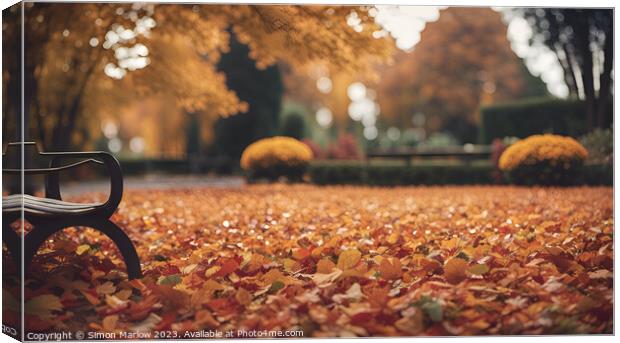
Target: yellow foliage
(69,49)
(554,149)
(269,152)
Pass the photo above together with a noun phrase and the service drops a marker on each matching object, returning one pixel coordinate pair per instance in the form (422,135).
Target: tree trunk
(569,73)
(582,44)
(605,78)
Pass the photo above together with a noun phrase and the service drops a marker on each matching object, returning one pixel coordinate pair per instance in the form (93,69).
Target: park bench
(465,153)
(51,214)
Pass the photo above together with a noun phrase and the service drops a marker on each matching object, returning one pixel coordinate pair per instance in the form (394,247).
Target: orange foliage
(334,261)
(462,61)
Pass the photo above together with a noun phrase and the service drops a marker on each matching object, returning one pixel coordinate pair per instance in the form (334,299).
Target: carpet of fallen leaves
(338,261)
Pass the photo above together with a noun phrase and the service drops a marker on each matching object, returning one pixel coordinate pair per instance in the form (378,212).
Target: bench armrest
(52,181)
(29,171)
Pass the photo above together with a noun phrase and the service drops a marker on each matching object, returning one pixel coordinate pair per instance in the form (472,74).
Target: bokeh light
(137,145)
(324,84)
(115,145)
(324,116)
(371,133)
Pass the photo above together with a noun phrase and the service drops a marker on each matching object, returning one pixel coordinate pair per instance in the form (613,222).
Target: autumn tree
(582,40)
(163,50)
(463,60)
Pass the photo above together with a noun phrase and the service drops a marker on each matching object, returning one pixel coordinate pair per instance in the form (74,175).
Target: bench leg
(127,249)
(40,233)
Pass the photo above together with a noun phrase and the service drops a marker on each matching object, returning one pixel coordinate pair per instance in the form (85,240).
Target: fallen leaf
(348,259)
(390,268)
(82,249)
(43,306)
(454,270)
(601,274)
(478,269)
(354,293)
(325,266)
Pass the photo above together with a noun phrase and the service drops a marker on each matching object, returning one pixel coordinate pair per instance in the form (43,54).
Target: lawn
(338,261)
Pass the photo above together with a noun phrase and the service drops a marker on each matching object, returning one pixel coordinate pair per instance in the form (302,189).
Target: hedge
(533,116)
(394,174)
(176,166)
(596,175)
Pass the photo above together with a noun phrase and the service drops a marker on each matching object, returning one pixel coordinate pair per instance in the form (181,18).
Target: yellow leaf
(291,265)
(272,276)
(115,302)
(211,271)
(393,238)
(348,259)
(189,268)
(478,269)
(82,249)
(109,323)
(106,288)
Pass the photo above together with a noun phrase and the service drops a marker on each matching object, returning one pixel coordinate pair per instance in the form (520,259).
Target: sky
(405,23)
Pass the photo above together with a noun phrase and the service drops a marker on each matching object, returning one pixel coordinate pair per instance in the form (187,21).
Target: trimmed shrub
(275,157)
(543,159)
(534,116)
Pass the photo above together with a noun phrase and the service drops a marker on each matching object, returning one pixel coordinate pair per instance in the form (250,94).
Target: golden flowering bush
(274,157)
(334,261)
(543,159)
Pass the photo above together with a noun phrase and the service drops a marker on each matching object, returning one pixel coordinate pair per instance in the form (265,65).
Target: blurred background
(186,88)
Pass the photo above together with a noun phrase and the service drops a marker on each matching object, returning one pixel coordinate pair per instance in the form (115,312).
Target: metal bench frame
(46,222)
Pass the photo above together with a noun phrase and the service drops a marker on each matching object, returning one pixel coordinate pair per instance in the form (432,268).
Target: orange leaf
(390,268)
(228,265)
(325,266)
(454,270)
(243,297)
(301,253)
(348,259)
